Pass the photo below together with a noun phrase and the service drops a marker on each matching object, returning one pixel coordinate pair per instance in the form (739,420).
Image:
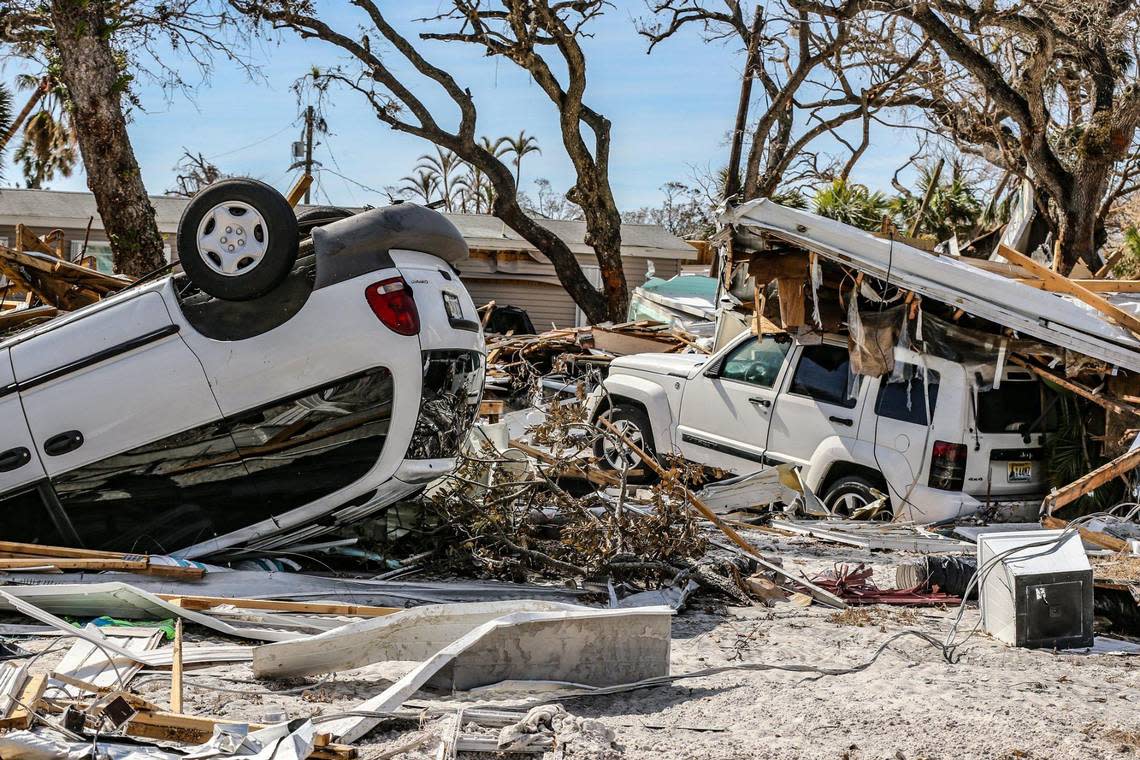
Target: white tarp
(1047,316)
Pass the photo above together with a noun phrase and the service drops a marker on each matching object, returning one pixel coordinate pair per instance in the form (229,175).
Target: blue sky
(671,112)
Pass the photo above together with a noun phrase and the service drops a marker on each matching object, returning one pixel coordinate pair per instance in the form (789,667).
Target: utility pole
(308,146)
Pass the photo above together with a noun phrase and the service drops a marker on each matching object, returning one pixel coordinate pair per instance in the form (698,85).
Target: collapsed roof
(1051,317)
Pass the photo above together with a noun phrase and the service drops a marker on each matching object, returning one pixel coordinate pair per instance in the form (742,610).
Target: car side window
(756,361)
(903,394)
(824,374)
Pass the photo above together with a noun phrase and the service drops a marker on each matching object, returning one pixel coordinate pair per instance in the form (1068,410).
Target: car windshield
(1014,404)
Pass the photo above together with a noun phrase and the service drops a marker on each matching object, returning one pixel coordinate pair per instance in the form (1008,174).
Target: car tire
(319,216)
(256,253)
(850,492)
(633,422)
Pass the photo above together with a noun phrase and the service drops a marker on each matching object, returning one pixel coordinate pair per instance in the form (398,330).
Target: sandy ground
(996,702)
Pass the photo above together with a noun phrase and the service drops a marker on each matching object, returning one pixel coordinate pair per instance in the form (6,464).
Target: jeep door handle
(841,421)
(14,459)
(760,401)
(64,443)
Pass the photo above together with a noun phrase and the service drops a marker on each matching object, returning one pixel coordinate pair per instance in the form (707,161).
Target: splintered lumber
(820,594)
(20,716)
(1110,404)
(1090,482)
(1058,283)
(149,723)
(130,565)
(1096,537)
(15,555)
(308,608)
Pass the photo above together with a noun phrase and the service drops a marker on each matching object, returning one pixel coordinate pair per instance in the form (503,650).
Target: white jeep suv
(934,436)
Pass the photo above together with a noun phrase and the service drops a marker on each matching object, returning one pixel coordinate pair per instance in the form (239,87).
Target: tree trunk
(592,303)
(95,82)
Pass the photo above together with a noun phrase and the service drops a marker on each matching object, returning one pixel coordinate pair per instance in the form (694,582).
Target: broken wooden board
(1059,497)
(309,608)
(1058,283)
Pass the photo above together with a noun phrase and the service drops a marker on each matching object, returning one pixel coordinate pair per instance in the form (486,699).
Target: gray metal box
(1036,596)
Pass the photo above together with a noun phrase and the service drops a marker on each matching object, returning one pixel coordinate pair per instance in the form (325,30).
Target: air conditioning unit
(1039,594)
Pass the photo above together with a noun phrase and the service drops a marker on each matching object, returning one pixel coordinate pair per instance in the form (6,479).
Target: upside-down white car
(290,381)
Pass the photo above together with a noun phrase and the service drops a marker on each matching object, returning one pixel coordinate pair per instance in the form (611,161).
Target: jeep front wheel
(632,422)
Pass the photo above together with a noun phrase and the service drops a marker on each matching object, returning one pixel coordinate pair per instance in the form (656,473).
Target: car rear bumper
(926,505)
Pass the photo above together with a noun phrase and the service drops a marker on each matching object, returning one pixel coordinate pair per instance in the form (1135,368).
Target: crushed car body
(167,419)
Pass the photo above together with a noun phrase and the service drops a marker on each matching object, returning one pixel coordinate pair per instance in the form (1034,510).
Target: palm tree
(477,188)
(851,203)
(954,207)
(5,120)
(443,166)
(421,185)
(49,144)
(520,146)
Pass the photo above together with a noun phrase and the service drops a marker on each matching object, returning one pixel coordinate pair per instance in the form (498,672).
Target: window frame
(717,371)
(790,384)
(929,401)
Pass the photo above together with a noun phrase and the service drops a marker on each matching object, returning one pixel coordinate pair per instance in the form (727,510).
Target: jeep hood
(679,365)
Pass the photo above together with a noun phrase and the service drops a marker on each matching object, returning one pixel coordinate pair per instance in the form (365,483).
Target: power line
(251,145)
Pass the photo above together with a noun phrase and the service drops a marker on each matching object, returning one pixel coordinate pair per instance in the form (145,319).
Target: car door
(110,398)
(821,398)
(725,409)
(23,514)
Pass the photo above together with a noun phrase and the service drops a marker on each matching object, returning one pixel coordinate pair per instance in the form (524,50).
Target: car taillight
(948,466)
(391,301)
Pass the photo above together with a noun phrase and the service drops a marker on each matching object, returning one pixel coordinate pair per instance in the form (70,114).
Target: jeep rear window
(1015,403)
(903,394)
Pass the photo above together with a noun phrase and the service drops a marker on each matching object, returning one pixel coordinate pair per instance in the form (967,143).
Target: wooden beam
(819,594)
(1096,537)
(308,608)
(1058,283)
(1124,463)
(297,192)
(131,565)
(149,723)
(1096,286)
(1111,405)
(1111,261)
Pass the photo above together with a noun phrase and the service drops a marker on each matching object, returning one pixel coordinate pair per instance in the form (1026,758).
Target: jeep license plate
(1020,472)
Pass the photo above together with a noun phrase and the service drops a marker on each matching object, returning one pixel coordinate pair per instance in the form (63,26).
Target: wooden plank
(1096,537)
(21,716)
(1110,404)
(310,608)
(176,669)
(1058,283)
(822,595)
(793,302)
(297,192)
(1090,482)
(1096,286)
(131,565)
(150,723)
